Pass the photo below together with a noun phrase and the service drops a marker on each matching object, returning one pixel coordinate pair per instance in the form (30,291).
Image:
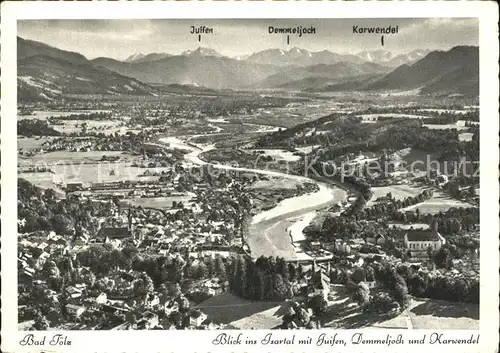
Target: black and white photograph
(248,174)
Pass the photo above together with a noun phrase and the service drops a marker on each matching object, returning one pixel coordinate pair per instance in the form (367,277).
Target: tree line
(35,127)
(81,116)
(41,210)
(455,220)
(441,287)
(265,279)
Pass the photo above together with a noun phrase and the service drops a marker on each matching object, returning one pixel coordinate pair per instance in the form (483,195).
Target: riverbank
(268,233)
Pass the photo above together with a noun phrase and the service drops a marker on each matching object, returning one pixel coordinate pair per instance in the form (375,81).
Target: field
(87,173)
(399,192)
(434,314)
(307,149)
(407,226)
(43,180)
(394,115)
(444,126)
(297,113)
(227,308)
(43,115)
(32,143)
(416,160)
(276,184)
(158,202)
(438,203)
(107,127)
(65,157)
(276,154)
(343,314)
(422,314)
(452,111)
(222,139)
(235,127)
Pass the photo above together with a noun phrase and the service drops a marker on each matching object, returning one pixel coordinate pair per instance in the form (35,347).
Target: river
(269,229)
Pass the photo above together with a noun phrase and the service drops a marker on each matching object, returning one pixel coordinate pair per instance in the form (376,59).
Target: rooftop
(74,307)
(114,232)
(195,314)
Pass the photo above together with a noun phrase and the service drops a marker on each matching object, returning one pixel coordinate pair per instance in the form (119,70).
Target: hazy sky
(121,38)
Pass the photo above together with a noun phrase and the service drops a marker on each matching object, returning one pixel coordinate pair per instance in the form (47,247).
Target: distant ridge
(440,72)
(199,67)
(139,57)
(322,74)
(387,58)
(47,73)
(300,57)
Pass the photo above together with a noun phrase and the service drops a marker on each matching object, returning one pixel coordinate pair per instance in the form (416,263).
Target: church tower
(129,218)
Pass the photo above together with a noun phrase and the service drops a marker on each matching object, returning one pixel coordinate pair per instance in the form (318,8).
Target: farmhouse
(418,241)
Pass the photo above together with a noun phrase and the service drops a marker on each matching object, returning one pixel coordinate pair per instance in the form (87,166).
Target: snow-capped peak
(134,57)
(241,57)
(201,51)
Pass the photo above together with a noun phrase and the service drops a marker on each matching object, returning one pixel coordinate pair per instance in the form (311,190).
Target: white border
(200,341)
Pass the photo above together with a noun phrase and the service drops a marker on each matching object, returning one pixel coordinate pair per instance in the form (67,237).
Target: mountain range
(384,57)
(193,68)
(300,57)
(46,72)
(442,72)
(321,74)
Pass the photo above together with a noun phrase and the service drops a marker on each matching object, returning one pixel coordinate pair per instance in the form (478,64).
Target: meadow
(158,202)
(440,202)
(73,158)
(399,192)
(87,173)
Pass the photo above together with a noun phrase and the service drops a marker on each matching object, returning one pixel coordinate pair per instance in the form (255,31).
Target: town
(186,206)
